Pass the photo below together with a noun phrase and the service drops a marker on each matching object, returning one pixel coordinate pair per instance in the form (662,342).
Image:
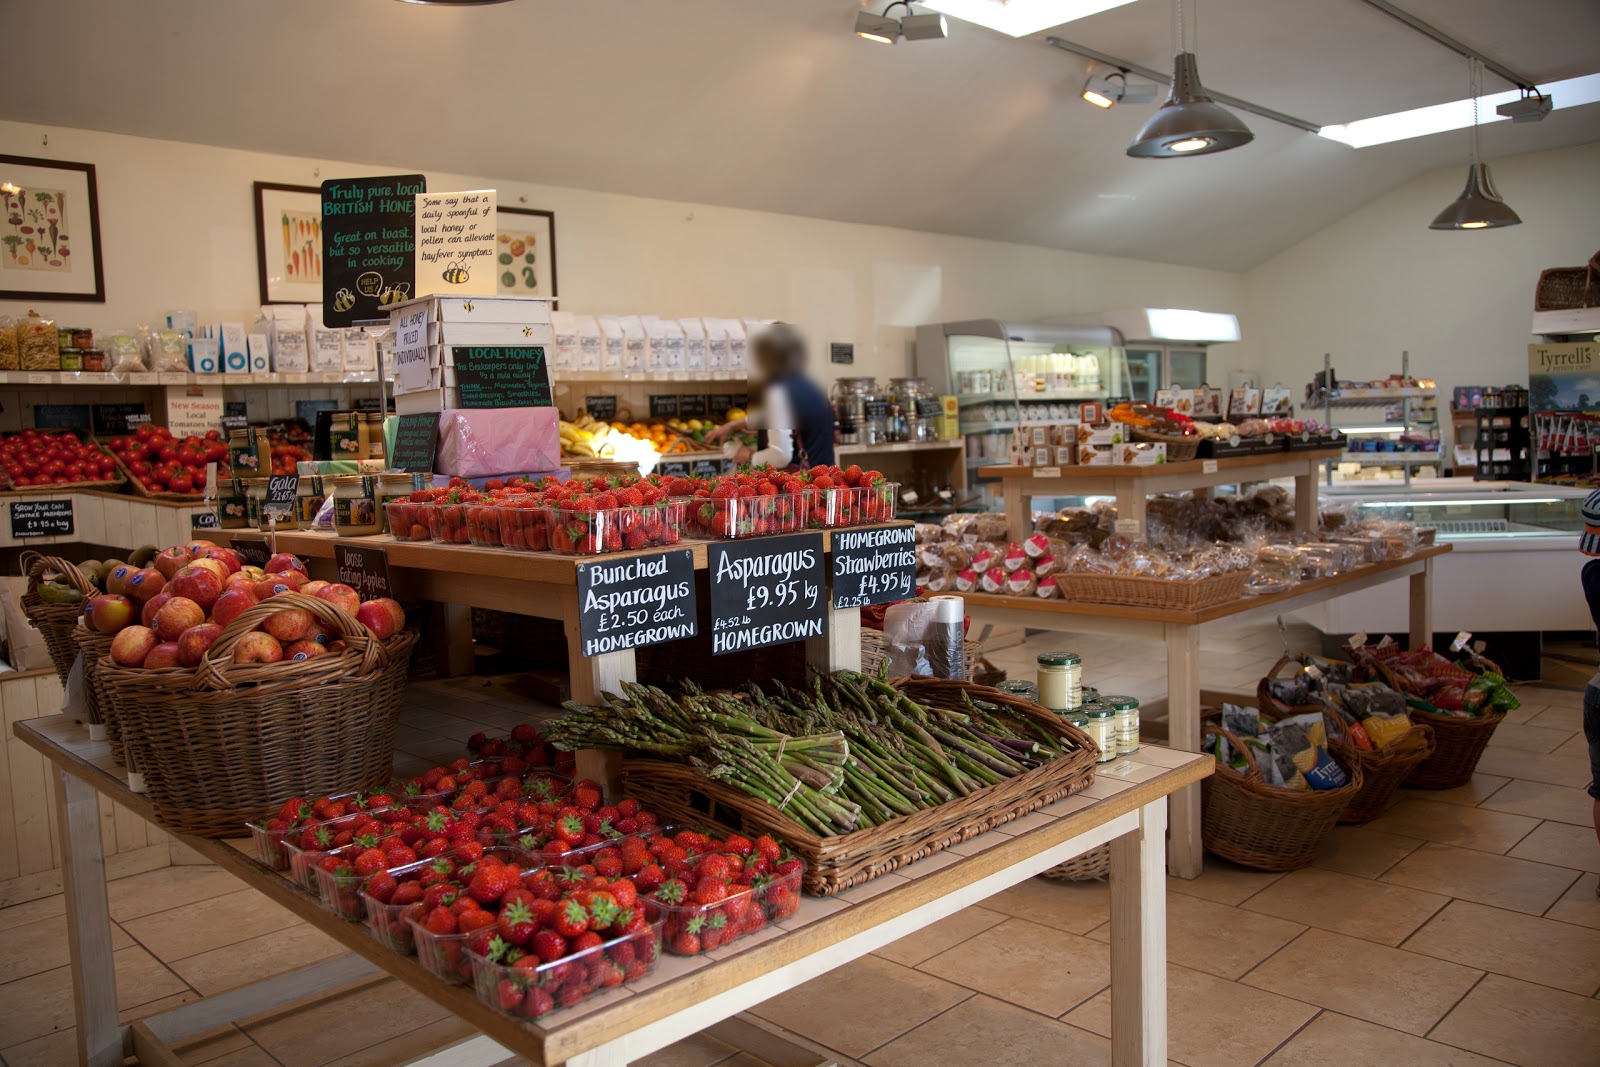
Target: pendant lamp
(1478,207)
(1190,123)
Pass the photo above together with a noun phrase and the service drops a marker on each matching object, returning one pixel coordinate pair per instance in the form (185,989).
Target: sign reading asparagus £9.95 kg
(766,591)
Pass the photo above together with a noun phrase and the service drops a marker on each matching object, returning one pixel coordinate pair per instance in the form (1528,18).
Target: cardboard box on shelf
(1140,454)
(1095,456)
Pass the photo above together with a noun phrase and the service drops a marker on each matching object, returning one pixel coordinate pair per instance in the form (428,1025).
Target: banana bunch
(583,437)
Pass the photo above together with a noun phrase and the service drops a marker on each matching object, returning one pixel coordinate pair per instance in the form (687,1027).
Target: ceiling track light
(1479,206)
(885,29)
(1190,123)
(1108,90)
(454,3)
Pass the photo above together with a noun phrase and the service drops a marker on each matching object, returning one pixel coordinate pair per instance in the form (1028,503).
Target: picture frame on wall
(289,243)
(525,253)
(49,231)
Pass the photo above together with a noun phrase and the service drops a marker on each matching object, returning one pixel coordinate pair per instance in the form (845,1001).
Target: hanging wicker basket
(55,622)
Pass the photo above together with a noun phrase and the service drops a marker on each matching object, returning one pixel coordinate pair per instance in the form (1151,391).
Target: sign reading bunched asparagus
(636,600)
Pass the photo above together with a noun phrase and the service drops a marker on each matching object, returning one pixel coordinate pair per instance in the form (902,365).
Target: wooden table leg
(591,676)
(1139,942)
(1019,509)
(83,876)
(1422,606)
(1183,734)
(1306,514)
(840,648)
(1131,502)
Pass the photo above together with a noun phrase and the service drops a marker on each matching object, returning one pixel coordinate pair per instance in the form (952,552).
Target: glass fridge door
(1186,368)
(1144,373)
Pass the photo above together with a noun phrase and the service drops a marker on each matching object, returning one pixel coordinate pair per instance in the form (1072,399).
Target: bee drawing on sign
(527,331)
(344,300)
(456,274)
(398,294)
(466,305)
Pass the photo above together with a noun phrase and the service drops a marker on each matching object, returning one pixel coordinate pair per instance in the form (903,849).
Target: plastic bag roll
(945,636)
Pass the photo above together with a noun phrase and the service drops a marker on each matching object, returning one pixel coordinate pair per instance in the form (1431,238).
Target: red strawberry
(549,946)
(441,921)
(687,942)
(572,919)
(515,923)
(491,883)
(406,893)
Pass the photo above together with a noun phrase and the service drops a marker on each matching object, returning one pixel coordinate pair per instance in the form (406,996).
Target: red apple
(199,584)
(284,561)
(311,587)
(148,615)
(163,655)
(289,625)
(110,612)
(396,612)
(233,603)
(239,580)
(251,571)
(375,617)
(176,616)
(197,548)
(117,580)
(132,644)
(304,650)
(215,566)
(194,641)
(257,647)
(322,633)
(271,586)
(225,556)
(342,597)
(146,583)
(170,560)
(297,579)
(337,646)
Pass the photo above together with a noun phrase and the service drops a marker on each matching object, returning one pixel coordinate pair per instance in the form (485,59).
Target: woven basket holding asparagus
(860,774)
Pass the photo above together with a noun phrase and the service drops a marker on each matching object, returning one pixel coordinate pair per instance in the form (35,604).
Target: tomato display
(162,463)
(42,457)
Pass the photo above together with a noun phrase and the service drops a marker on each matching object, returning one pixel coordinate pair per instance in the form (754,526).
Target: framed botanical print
(49,231)
(526,252)
(289,243)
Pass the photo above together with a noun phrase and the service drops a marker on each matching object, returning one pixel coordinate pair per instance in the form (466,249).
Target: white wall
(1379,281)
(178,231)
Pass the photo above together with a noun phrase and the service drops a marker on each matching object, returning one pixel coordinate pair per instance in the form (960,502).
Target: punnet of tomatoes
(162,463)
(41,457)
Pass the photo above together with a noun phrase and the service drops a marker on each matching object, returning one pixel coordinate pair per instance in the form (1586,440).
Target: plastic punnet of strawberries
(762,500)
(710,893)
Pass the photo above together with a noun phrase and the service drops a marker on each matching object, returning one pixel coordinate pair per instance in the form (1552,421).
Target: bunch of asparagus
(850,752)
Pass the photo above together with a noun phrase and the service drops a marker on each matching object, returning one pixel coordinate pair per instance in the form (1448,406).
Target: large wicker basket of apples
(234,688)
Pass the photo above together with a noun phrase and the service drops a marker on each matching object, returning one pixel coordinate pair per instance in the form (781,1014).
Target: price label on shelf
(281,489)
(204,520)
(1208,466)
(766,591)
(40,379)
(41,518)
(636,600)
(873,566)
(1128,527)
(1047,472)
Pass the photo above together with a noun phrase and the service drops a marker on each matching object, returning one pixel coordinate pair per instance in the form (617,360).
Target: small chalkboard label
(252,550)
(366,570)
(281,489)
(692,407)
(137,420)
(41,518)
(876,409)
(710,468)
(928,407)
(114,419)
(501,376)
(634,601)
(367,257)
(766,591)
(720,403)
(873,566)
(603,408)
(231,423)
(663,407)
(842,352)
(416,438)
(61,416)
(204,520)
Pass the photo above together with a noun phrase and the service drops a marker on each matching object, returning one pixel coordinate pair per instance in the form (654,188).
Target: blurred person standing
(791,414)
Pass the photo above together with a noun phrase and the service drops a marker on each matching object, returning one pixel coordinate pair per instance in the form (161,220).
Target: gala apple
(176,616)
(163,655)
(284,561)
(194,641)
(289,625)
(147,616)
(342,597)
(170,560)
(110,612)
(375,617)
(233,603)
(304,650)
(199,584)
(257,647)
(146,583)
(132,644)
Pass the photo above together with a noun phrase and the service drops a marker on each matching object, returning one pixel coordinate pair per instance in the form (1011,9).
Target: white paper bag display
(614,343)
(456,243)
(291,346)
(360,351)
(327,350)
(694,344)
(716,344)
(591,343)
(633,344)
(565,353)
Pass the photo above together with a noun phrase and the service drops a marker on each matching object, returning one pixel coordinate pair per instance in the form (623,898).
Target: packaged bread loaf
(37,343)
(10,353)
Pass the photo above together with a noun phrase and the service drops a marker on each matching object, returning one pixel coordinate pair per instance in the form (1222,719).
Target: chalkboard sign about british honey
(369,248)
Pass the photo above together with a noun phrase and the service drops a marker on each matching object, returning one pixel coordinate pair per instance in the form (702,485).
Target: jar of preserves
(1102,728)
(355,505)
(255,491)
(346,436)
(308,499)
(850,396)
(233,506)
(919,409)
(1127,709)
(372,428)
(1060,680)
(249,454)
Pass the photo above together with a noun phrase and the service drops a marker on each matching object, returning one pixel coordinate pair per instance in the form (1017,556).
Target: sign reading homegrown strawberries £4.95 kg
(766,591)
(636,600)
(873,566)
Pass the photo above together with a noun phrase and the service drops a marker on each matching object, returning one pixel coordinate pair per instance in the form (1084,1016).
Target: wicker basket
(1180,448)
(1089,867)
(833,864)
(1458,742)
(1268,827)
(55,622)
(222,743)
(1565,288)
(1158,593)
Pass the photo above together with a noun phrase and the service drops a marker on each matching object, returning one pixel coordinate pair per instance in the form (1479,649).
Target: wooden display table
(1125,806)
(1180,630)
(1132,485)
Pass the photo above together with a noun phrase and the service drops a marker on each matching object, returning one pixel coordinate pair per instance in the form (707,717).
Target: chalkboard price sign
(116,419)
(252,550)
(603,408)
(41,518)
(61,416)
(416,438)
(766,591)
(692,407)
(281,489)
(636,600)
(842,352)
(663,407)
(366,570)
(368,250)
(873,566)
(501,376)
(204,520)
(231,423)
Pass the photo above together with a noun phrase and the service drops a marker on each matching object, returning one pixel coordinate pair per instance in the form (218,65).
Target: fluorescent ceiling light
(1018,18)
(1181,324)
(1456,115)
(1489,498)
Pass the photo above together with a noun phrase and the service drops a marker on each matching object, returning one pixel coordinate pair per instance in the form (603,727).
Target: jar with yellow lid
(372,429)
(308,498)
(355,505)
(233,506)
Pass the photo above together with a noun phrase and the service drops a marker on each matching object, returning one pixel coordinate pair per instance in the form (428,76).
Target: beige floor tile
(316,1033)
(1215,938)
(56,1049)
(945,934)
(1528,737)
(1076,907)
(1403,990)
(1502,881)
(697,1050)
(1579,904)
(247,961)
(1557,770)
(209,924)
(1223,882)
(409,1046)
(1519,946)
(42,946)
(991,1032)
(216,1043)
(1363,851)
(1576,747)
(1524,1024)
(1559,718)
(1562,844)
(1211,1022)
(1479,789)
(32,911)
(43,1002)
(1452,824)
(866,1003)
(1332,1038)
(1036,967)
(166,888)
(1345,904)
(250,1056)
(1540,800)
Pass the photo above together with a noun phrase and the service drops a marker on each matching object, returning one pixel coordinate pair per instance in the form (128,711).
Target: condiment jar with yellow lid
(355,505)
(255,491)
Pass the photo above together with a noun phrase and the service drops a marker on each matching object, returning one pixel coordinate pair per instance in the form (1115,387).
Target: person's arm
(726,430)
(779,418)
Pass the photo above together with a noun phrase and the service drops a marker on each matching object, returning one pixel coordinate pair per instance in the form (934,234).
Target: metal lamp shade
(1478,207)
(1189,116)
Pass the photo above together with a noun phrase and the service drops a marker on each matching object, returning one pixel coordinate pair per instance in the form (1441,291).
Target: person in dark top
(1589,544)
(793,417)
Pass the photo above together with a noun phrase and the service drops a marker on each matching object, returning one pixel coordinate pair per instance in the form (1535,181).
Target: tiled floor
(1461,929)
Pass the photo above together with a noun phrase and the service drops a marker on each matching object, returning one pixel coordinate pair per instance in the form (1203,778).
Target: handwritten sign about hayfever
(41,518)
(873,566)
(456,243)
(501,376)
(635,601)
(369,251)
(766,591)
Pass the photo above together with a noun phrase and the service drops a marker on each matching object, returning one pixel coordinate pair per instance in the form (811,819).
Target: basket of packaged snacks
(1142,575)
(1277,817)
(53,603)
(250,726)
(1180,447)
(856,788)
